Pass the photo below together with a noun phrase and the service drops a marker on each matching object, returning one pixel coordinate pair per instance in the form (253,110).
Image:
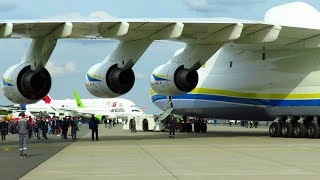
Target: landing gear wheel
(313,130)
(188,127)
(204,127)
(275,129)
(183,128)
(286,130)
(299,130)
(197,127)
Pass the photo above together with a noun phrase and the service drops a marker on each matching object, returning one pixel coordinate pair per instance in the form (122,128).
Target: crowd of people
(40,127)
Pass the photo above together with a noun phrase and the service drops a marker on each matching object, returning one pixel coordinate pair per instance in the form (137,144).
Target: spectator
(74,129)
(172,127)
(22,127)
(44,128)
(3,129)
(31,122)
(93,125)
(64,127)
(133,125)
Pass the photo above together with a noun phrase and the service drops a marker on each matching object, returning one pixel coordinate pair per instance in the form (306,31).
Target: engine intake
(173,79)
(107,80)
(23,85)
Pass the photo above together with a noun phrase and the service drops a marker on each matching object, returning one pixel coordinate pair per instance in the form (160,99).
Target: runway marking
(6,149)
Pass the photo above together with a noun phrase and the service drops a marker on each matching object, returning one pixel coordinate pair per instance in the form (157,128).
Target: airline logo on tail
(47,99)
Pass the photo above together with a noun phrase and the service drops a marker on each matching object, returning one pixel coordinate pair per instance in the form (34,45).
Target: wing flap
(259,33)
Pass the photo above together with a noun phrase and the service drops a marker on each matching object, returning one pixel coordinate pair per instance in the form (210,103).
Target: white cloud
(222,6)
(61,70)
(79,16)
(207,4)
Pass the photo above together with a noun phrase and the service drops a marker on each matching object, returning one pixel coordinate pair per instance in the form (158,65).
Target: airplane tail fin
(47,99)
(78,100)
(23,107)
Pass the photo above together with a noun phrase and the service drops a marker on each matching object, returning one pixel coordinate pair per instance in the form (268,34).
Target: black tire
(275,129)
(204,127)
(197,127)
(299,130)
(189,127)
(183,128)
(145,125)
(313,130)
(286,130)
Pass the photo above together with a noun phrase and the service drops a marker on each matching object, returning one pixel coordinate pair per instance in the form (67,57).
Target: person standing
(3,129)
(172,127)
(23,127)
(69,125)
(64,128)
(38,126)
(74,128)
(133,124)
(44,128)
(93,125)
(31,127)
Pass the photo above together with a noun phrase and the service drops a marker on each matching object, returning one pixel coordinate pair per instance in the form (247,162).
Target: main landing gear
(297,127)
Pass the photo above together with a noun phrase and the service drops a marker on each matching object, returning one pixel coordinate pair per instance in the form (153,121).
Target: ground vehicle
(144,122)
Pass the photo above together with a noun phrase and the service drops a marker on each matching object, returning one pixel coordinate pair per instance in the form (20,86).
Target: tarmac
(221,153)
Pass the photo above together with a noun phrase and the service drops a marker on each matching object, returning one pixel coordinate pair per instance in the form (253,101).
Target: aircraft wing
(9,107)
(199,32)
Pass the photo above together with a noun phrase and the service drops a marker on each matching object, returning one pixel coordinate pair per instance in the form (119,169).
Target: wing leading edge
(206,32)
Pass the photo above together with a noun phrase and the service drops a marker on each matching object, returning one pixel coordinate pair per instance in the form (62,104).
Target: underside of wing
(203,32)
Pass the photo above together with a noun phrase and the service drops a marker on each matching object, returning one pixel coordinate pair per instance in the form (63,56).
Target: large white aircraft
(248,70)
(101,108)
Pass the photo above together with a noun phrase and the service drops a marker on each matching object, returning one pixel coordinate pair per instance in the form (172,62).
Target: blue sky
(72,58)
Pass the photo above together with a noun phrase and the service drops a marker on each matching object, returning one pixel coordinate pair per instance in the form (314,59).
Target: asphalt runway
(14,167)
(222,153)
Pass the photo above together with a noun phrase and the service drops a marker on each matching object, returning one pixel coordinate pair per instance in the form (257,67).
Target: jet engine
(106,80)
(23,85)
(173,79)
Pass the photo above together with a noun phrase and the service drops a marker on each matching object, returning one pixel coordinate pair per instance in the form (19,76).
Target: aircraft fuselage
(240,82)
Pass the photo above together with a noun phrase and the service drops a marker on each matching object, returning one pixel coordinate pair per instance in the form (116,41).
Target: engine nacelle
(173,79)
(24,86)
(106,80)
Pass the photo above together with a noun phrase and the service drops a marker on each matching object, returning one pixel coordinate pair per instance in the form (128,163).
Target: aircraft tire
(299,130)
(189,127)
(197,127)
(286,130)
(204,127)
(313,130)
(183,127)
(275,129)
